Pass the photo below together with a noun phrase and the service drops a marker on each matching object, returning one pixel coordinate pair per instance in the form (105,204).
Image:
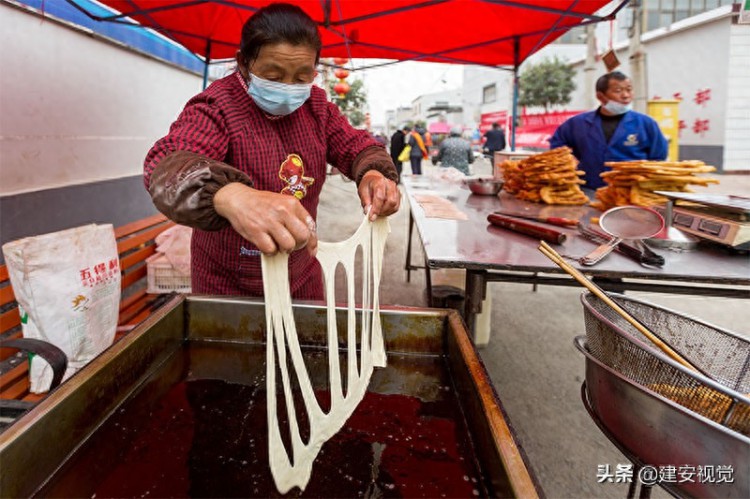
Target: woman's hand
(379,193)
(273,222)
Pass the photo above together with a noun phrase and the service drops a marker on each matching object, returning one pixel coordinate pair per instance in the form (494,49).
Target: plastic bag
(174,243)
(404,156)
(67,285)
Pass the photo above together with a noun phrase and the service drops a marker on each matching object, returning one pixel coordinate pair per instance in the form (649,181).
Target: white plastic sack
(67,285)
(174,243)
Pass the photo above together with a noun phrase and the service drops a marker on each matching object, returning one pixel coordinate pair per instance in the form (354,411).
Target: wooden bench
(135,243)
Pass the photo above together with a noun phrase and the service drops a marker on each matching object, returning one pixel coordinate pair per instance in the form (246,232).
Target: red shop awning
(439,127)
(485,32)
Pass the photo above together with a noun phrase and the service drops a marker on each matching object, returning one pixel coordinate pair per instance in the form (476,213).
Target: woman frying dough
(245,162)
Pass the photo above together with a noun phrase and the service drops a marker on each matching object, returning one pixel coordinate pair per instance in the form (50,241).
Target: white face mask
(617,108)
(277,98)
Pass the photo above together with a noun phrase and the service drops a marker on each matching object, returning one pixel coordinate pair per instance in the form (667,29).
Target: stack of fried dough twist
(709,403)
(550,177)
(634,182)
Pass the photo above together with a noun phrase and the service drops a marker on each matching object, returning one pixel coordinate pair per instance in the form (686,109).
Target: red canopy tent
(497,33)
(488,32)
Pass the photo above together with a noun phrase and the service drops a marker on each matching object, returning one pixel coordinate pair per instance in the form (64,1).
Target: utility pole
(589,67)
(638,59)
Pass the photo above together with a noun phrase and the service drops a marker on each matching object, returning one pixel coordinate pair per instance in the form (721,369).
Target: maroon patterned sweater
(280,154)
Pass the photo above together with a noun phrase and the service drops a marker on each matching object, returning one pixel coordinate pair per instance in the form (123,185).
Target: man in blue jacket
(614,132)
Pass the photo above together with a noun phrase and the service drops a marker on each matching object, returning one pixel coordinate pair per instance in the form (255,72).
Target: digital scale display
(710,227)
(719,218)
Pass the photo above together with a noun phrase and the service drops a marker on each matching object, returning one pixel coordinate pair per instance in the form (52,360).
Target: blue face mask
(278,99)
(617,108)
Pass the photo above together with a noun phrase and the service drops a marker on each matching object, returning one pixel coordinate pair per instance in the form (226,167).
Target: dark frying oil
(208,437)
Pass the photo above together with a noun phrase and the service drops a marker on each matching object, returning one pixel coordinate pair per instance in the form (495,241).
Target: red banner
(536,129)
(487,119)
(555,118)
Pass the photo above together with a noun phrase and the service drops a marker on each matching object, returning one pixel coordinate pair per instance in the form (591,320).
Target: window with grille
(661,13)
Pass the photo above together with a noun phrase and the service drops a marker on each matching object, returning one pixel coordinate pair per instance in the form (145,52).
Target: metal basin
(660,432)
(177,408)
(485,186)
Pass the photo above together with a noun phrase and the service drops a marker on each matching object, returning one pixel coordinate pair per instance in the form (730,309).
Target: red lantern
(340,60)
(341,73)
(341,88)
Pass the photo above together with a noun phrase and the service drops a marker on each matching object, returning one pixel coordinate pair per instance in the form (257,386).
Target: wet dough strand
(282,338)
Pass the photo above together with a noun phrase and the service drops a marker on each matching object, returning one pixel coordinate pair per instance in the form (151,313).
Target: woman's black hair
(278,23)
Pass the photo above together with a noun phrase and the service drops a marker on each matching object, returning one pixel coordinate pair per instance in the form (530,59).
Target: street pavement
(536,370)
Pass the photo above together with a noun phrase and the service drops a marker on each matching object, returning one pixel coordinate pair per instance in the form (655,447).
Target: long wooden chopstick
(582,279)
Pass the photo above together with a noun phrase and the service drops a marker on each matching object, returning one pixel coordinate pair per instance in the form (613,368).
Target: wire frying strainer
(625,222)
(722,355)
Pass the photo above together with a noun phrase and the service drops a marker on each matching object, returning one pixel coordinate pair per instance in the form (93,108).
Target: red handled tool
(559,221)
(528,228)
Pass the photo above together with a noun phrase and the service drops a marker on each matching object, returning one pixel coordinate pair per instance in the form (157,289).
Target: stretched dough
(281,333)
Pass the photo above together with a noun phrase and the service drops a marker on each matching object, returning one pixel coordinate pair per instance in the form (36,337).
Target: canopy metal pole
(516,57)
(638,73)
(589,67)
(207,62)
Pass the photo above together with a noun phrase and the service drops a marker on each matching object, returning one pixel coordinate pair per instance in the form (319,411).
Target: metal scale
(721,218)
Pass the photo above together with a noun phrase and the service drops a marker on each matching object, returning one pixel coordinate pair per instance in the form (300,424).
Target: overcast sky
(398,84)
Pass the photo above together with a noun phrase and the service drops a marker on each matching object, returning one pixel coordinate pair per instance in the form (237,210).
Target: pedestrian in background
(418,151)
(398,142)
(495,142)
(455,152)
(427,139)
(613,132)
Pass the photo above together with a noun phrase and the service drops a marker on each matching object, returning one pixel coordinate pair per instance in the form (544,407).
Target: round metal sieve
(631,222)
(625,222)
